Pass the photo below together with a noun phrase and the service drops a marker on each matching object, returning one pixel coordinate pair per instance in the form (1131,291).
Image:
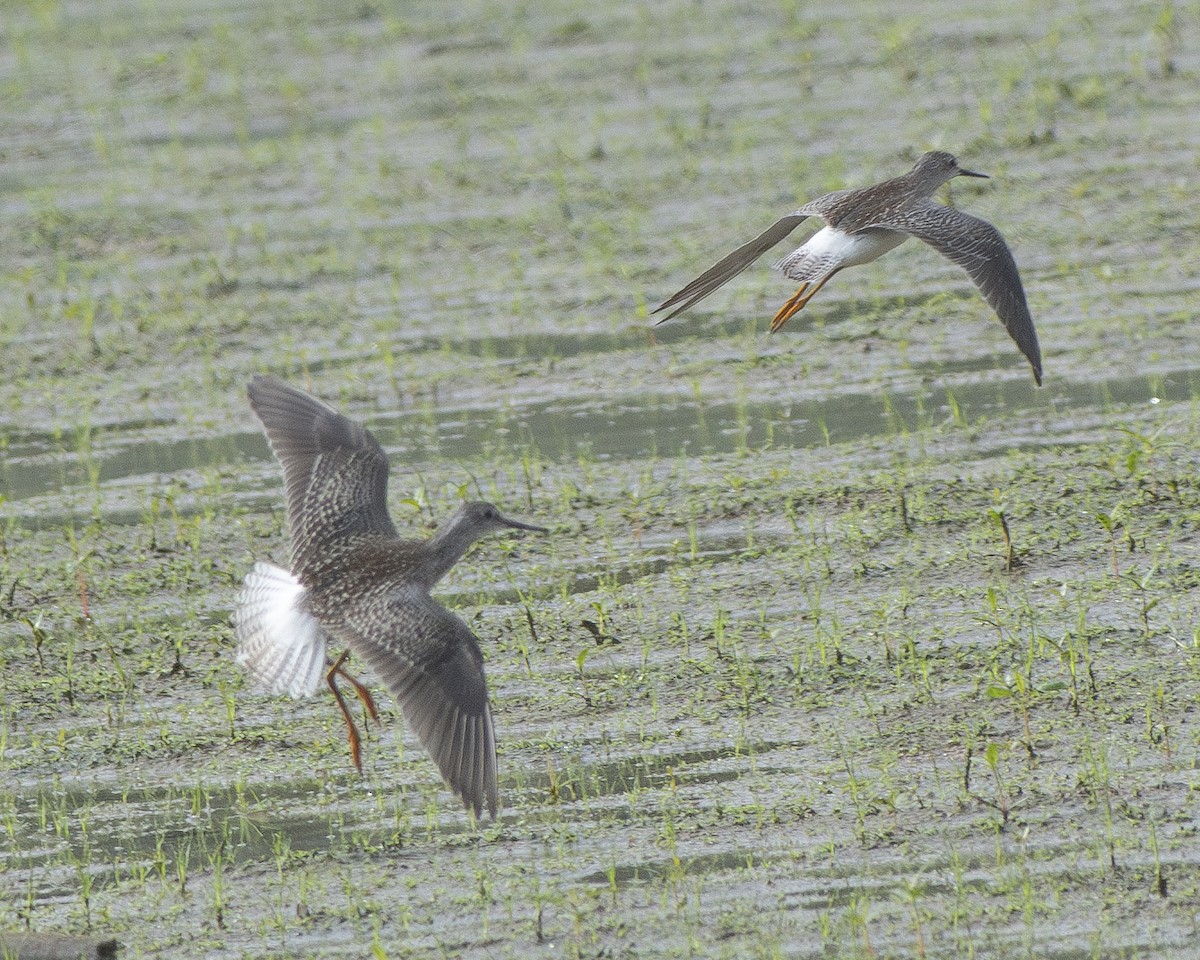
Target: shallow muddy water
(846,641)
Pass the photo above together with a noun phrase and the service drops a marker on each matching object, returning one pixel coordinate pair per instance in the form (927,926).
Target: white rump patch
(280,644)
(830,248)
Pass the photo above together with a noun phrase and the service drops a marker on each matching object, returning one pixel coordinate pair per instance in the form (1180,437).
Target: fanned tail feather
(280,644)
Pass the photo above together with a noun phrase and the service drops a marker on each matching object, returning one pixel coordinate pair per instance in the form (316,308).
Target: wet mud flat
(847,641)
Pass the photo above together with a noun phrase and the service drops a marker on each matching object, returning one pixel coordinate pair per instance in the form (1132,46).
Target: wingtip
(665,305)
(476,807)
(475,803)
(260,382)
(1035,364)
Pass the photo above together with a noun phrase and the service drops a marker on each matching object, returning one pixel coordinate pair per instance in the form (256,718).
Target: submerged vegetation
(846,642)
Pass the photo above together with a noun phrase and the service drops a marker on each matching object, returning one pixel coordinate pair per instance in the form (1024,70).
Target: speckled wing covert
(725,269)
(977,247)
(430,661)
(335,473)
(280,644)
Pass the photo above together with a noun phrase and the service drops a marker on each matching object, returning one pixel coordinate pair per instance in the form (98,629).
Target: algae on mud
(814,714)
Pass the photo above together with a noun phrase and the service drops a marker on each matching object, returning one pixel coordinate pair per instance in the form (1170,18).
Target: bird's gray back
(854,210)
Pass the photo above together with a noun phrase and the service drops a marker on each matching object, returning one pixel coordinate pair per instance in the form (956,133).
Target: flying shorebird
(862,225)
(354,581)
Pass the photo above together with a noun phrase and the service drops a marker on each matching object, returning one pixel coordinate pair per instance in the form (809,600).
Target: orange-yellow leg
(787,309)
(364,695)
(798,302)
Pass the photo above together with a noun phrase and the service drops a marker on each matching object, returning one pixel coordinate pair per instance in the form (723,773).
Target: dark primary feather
(980,249)
(730,266)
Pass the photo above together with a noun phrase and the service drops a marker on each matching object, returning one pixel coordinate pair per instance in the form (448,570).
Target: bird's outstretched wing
(334,471)
(430,661)
(977,247)
(730,266)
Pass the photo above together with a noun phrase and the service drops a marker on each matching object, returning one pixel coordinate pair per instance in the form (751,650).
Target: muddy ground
(778,683)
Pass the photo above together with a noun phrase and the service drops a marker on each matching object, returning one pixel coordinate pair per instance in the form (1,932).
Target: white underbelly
(832,249)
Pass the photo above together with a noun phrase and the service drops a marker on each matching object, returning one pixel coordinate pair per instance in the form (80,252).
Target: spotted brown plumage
(356,582)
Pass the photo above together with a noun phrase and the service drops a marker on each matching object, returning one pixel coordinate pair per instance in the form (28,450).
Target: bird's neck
(922,186)
(444,549)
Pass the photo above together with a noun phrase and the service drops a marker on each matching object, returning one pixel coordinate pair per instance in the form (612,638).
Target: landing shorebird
(354,581)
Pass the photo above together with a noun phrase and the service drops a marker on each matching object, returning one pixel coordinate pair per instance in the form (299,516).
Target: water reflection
(562,430)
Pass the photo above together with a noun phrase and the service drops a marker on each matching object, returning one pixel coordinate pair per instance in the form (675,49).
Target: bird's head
(937,166)
(482,517)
